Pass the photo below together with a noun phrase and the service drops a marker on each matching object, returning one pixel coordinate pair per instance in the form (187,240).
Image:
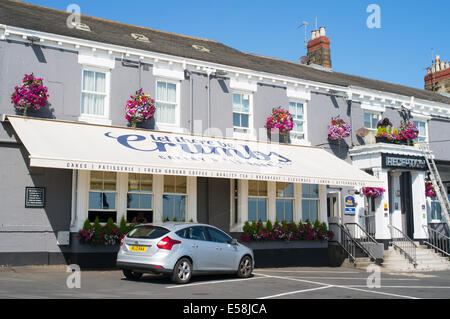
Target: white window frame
(318,199)
(286,198)
(186,203)
(250,131)
(258,197)
(305,122)
(371,113)
(168,126)
(92,118)
(414,120)
(116,197)
(140,193)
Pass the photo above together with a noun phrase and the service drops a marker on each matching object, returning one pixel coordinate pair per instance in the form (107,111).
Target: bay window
(102,196)
(285,201)
(174,197)
(139,198)
(257,201)
(310,202)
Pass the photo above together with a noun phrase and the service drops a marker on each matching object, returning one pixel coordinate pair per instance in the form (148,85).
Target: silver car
(182,250)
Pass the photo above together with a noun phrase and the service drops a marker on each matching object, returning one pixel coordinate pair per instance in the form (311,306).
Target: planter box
(278,244)
(306,253)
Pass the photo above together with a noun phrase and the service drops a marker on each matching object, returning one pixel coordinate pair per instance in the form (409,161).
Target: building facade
(201,88)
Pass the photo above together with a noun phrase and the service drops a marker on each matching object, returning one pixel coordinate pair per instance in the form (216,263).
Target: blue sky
(398,52)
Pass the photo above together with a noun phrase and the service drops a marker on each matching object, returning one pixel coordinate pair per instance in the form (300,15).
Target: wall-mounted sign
(403,162)
(34,197)
(350,205)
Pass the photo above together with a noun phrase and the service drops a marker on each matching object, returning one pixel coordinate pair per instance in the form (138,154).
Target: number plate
(141,249)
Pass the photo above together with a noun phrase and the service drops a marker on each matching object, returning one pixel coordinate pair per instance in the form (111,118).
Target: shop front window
(102,196)
(257,201)
(310,202)
(285,201)
(174,198)
(139,198)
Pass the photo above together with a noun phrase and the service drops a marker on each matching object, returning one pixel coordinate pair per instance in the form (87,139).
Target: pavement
(54,282)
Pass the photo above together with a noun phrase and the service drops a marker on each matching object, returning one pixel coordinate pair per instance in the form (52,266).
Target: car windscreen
(147,232)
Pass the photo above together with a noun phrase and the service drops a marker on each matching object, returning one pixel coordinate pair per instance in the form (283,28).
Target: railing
(369,221)
(438,241)
(344,239)
(404,244)
(364,239)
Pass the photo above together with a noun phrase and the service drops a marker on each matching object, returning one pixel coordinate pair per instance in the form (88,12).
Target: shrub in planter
(285,231)
(110,234)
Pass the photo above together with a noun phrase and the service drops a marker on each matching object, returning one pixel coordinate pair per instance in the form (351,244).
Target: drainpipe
(208,72)
(74,197)
(191,100)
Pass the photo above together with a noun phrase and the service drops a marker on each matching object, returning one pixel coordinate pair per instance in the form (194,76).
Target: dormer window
(140,37)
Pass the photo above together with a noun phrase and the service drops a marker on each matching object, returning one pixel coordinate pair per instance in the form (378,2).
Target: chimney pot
(322,31)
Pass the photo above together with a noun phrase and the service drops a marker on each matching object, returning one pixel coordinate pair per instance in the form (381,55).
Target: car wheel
(182,272)
(245,267)
(131,275)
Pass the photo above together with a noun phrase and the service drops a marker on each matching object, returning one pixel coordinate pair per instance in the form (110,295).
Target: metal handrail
(404,244)
(355,233)
(344,239)
(438,241)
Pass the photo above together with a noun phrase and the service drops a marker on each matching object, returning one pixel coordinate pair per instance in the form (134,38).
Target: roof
(33,17)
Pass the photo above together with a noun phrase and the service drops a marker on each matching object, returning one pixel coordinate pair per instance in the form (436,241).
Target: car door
(199,247)
(225,254)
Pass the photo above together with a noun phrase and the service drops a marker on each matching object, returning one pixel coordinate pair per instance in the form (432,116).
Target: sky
(397,48)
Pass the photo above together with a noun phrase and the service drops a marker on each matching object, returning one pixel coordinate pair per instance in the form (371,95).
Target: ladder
(441,192)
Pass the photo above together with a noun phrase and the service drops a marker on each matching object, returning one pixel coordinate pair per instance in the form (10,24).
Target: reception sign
(72,145)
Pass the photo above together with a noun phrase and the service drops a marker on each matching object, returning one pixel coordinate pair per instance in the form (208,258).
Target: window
(148,232)
(310,202)
(174,197)
(257,201)
(102,196)
(241,112)
(194,233)
(94,93)
(285,201)
(166,102)
(139,198)
(371,120)
(217,236)
(421,126)
(298,114)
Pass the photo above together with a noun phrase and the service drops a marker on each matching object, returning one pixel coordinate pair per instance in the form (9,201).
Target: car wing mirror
(233,241)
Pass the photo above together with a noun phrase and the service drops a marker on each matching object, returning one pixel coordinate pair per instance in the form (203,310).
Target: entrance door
(406,203)
(333,208)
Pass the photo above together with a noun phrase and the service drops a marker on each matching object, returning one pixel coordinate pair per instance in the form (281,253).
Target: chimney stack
(319,49)
(437,78)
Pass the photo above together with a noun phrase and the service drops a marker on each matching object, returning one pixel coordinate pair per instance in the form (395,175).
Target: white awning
(71,145)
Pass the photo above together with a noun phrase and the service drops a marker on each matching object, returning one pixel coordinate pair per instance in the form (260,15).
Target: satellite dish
(362,132)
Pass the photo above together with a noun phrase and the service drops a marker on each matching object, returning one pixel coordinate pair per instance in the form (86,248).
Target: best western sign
(403,162)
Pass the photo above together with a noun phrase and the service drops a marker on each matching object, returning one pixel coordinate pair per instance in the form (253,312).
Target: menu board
(34,197)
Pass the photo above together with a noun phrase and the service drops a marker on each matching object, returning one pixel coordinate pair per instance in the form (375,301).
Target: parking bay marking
(213,282)
(296,292)
(340,286)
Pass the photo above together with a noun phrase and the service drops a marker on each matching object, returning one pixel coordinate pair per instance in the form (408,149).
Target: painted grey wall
(31,229)
(439,130)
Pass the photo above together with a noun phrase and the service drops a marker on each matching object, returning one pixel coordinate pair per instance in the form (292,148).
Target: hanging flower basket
(280,122)
(408,132)
(139,108)
(339,129)
(429,190)
(373,192)
(30,94)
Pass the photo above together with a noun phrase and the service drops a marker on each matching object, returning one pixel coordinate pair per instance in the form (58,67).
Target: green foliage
(174,219)
(247,228)
(87,224)
(269,226)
